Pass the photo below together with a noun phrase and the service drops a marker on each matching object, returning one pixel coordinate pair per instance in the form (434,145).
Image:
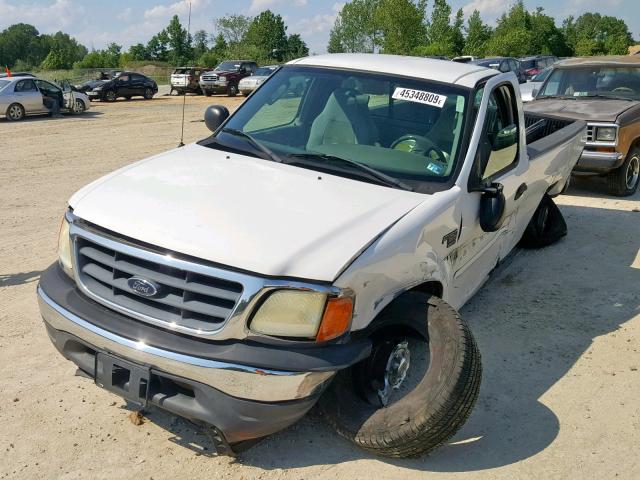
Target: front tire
(148,94)
(232,91)
(79,107)
(430,412)
(15,112)
(110,96)
(624,180)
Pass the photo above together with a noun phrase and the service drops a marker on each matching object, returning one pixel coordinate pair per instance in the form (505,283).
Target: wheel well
(433,287)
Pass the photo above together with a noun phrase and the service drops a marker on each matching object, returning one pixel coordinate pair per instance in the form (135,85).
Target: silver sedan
(24,95)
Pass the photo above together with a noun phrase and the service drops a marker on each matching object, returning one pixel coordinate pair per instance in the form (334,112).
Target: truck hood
(598,109)
(243,212)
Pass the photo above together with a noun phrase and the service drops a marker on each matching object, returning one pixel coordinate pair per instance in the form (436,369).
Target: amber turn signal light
(336,319)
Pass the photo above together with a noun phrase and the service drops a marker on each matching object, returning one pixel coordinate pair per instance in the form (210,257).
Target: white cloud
(259,5)
(488,8)
(125,16)
(53,16)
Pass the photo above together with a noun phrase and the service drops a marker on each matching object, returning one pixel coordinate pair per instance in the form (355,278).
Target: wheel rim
(395,371)
(15,112)
(111,96)
(633,172)
(148,93)
(79,107)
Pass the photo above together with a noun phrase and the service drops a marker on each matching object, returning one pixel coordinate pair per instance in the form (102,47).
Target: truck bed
(545,133)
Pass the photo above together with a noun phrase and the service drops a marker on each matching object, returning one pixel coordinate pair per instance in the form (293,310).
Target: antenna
(184,95)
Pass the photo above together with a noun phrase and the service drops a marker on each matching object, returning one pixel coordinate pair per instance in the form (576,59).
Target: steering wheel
(624,89)
(420,145)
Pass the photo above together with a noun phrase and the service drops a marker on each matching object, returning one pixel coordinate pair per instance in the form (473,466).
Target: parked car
(226,77)
(605,92)
(101,79)
(16,74)
(186,80)
(313,248)
(502,64)
(464,59)
(528,89)
(23,96)
(124,85)
(249,84)
(532,66)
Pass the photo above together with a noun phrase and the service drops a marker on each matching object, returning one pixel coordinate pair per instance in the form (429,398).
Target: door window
(500,133)
(123,78)
(48,88)
(26,86)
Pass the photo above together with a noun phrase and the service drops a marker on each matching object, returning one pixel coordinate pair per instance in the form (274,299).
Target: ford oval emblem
(143,287)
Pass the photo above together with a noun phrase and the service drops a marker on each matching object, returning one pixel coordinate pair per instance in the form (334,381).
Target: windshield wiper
(610,97)
(267,151)
(372,172)
(562,97)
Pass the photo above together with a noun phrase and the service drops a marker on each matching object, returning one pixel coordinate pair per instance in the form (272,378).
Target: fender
(402,258)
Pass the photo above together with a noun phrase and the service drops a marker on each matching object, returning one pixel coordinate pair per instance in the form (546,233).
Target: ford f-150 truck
(314,248)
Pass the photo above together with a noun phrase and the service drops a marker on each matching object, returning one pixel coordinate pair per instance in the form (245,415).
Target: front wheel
(232,91)
(15,112)
(148,94)
(412,394)
(624,180)
(110,96)
(78,107)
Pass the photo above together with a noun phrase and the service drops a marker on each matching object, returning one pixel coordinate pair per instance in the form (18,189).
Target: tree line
(413,27)
(262,38)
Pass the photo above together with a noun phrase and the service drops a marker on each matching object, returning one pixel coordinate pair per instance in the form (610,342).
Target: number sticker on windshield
(419,96)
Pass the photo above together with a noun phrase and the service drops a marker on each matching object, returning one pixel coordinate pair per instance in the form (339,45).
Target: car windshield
(320,118)
(594,81)
(264,71)
(4,84)
(542,76)
(228,66)
(528,64)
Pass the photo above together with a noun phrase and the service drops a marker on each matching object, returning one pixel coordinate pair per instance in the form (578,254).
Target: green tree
(477,35)
(457,34)
(512,36)
(107,58)
(547,39)
(400,24)
(267,33)
(233,27)
(179,42)
(158,47)
(200,43)
(22,42)
(139,52)
(594,34)
(296,47)
(355,28)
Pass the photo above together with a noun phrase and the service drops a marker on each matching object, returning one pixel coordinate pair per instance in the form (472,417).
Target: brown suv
(604,91)
(226,77)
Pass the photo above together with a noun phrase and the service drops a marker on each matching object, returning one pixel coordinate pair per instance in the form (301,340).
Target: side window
(25,86)
(514,65)
(123,78)
(500,133)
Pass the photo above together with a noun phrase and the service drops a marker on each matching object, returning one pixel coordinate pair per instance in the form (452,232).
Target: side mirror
(492,204)
(214,116)
(534,93)
(506,137)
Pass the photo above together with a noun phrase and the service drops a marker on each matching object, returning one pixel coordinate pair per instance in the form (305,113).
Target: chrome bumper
(593,160)
(239,381)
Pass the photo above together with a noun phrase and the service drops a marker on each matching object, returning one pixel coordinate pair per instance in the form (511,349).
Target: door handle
(521,189)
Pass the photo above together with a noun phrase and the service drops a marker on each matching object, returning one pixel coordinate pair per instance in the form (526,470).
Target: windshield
(495,64)
(407,129)
(228,66)
(595,80)
(3,84)
(264,71)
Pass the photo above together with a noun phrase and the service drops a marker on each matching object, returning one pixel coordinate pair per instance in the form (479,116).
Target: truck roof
(443,71)
(632,60)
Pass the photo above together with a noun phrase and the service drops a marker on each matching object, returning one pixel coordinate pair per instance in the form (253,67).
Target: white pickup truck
(313,248)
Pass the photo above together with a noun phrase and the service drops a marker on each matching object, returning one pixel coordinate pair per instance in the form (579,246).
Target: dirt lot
(559,330)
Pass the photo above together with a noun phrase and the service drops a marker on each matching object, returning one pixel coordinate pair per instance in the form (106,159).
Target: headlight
(64,247)
(222,79)
(606,134)
(303,314)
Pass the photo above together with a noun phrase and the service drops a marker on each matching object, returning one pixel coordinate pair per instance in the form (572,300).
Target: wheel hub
(395,371)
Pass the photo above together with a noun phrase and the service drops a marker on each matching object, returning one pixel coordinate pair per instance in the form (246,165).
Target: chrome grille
(210,77)
(185,298)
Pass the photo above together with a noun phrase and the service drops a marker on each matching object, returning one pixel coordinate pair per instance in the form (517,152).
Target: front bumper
(243,401)
(598,162)
(214,86)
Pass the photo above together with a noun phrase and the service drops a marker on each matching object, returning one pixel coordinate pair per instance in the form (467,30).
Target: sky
(97,22)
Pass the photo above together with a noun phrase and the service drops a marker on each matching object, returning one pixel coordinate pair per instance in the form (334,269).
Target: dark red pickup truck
(226,76)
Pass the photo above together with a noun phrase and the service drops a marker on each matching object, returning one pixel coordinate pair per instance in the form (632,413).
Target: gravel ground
(558,329)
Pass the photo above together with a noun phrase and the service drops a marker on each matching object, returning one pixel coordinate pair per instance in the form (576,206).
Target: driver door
(498,160)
